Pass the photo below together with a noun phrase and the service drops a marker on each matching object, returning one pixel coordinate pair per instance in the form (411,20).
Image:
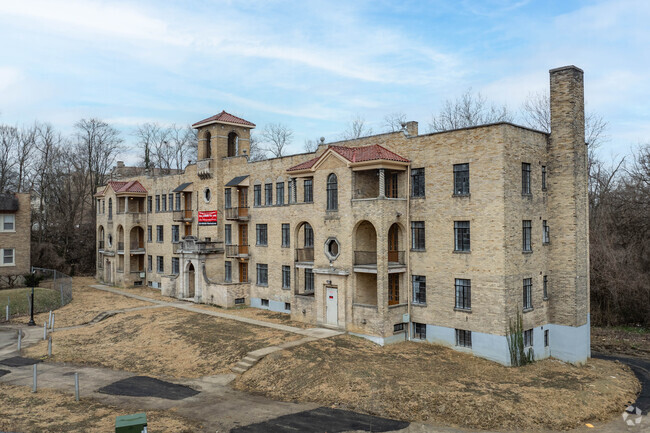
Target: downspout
(409,284)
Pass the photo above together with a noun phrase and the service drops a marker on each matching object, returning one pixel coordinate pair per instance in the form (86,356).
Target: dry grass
(161,342)
(86,304)
(257,314)
(53,411)
(425,382)
(626,341)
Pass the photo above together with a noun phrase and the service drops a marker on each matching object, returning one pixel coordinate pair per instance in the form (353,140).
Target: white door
(332,306)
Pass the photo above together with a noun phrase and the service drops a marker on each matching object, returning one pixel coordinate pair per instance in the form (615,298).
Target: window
(417,182)
(178,201)
(543,178)
(461,235)
(257,195)
(228,198)
(164,202)
(268,194)
(149,234)
(171,202)
(286,277)
(227,272)
(291,187)
(398,327)
(525,178)
(239,301)
(149,263)
(545,290)
(419,289)
(417,235)
(160,262)
(528,292)
(420,331)
(175,233)
(110,208)
(527,226)
(8,257)
(286,239)
(463,338)
(332,192)
(287,306)
(546,338)
(228,234)
(528,338)
(262,234)
(8,223)
(309,236)
(265,302)
(207,195)
(157,203)
(279,193)
(332,248)
(103,206)
(309,191)
(546,234)
(175,265)
(461,179)
(149,204)
(309,280)
(463,294)
(262,275)
(159,233)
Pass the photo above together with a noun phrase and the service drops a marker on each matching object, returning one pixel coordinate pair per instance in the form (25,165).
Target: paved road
(640,367)
(7,337)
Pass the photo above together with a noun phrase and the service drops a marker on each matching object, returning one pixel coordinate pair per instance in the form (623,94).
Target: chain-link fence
(53,291)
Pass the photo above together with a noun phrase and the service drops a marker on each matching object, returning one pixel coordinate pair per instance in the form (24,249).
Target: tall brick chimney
(568,200)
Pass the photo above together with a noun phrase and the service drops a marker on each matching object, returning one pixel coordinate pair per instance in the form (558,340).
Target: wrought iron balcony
(237,251)
(183,215)
(237,213)
(193,245)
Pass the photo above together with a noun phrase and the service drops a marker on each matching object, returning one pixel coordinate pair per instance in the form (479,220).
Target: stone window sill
(419,304)
(468,195)
(463,310)
(462,251)
(528,310)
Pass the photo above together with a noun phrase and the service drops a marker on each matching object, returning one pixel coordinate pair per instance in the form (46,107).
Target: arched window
(233,144)
(332,193)
(208,148)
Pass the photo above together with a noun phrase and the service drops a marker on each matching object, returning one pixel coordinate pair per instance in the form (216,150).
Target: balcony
(239,251)
(192,245)
(366,261)
(204,169)
(120,247)
(305,255)
(237,213)
(183,216)
(136,248)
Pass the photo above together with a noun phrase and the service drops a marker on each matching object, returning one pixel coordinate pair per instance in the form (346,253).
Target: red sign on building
(208,218)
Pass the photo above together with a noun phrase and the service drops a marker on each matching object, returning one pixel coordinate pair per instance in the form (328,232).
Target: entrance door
(332,305)
(393,255)
(243,239)
(190,281)
(393,289)
(243,272)
(391,184)
(243,202)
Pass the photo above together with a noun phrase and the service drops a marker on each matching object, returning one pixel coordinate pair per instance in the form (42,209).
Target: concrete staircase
(254,356)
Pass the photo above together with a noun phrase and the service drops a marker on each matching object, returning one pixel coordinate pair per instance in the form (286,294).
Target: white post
(52,326)
(50,319)
(34,382)
(49,346)
(76,386)
(20,335)
(44,330)
(7,313)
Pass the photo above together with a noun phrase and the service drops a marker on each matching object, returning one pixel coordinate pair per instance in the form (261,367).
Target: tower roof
(224,117)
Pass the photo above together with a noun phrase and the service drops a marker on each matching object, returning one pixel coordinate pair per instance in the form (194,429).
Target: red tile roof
(133,186)
(224,117)
(373,152)
(304,165)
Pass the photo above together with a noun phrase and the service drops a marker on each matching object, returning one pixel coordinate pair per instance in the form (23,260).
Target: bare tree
(468,110)
(9,139)
(394,122)
(311,145)
(356,128)
(256,153)
(276,137)
(26,146)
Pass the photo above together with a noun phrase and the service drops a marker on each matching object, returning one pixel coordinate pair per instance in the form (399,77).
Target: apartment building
(440,237)
(15,237)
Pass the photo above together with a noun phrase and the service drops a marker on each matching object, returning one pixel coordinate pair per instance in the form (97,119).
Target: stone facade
(352,262)
(15,235)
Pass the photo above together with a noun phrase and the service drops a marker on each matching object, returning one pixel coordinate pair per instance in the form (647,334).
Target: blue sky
(313,65)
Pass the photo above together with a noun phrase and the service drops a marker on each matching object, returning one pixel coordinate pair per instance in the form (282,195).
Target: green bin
(136,423)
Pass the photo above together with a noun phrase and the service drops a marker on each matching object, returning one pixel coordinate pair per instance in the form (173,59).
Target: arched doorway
(393,243)
(190,281)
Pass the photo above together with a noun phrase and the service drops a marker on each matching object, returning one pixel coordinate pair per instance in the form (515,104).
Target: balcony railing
(237,213)
(203,168)
(305,254)
(101,245)
(365,257)
(236,250)
(183,215)
(396,257)
(136,247)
